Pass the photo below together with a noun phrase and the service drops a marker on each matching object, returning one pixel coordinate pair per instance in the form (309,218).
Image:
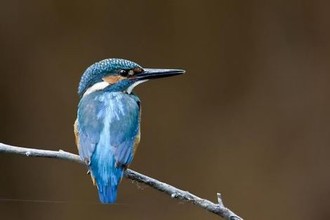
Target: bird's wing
(88,127)
(111,120)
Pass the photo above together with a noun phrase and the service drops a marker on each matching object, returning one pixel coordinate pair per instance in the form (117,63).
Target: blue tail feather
(107,176)
(108,193)
(108,189)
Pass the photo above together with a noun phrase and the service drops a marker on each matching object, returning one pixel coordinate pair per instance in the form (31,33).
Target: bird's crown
(94,73)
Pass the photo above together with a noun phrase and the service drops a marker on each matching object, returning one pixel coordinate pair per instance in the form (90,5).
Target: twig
(218,209)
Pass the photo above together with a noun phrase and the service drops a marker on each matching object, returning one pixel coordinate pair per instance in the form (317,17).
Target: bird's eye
(131,72)
(123,73)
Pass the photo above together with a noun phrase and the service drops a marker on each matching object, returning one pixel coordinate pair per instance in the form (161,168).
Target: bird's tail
(107,175)
(108,190)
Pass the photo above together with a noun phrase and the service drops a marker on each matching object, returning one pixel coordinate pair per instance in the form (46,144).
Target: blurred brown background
(250,119)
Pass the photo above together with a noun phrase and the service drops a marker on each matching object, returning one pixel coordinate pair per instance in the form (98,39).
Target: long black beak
(149,73)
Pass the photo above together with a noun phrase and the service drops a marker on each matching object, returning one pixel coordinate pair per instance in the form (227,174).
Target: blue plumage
(108,125)
(107,128)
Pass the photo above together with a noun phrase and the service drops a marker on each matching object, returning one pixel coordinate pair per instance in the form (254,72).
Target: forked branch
(218,209)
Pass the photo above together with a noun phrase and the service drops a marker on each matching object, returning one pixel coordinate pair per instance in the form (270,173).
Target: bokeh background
(250,119)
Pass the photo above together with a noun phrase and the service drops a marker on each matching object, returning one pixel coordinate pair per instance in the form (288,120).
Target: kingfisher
(107,128)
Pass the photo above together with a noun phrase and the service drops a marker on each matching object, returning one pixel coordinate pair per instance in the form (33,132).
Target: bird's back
(108,127)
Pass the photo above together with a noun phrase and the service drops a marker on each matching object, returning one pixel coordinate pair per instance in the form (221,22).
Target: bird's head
(120,75)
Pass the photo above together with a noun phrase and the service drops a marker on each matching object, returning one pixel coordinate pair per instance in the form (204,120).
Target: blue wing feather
(108,123)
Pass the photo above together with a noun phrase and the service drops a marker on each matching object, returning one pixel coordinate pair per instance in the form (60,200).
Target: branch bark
(218,209)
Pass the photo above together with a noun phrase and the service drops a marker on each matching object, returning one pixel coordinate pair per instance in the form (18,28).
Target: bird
(107,127)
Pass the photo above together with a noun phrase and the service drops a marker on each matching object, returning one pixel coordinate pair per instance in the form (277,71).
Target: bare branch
(218,209)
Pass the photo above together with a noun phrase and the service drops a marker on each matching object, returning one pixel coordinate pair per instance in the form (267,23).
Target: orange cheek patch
(112,79)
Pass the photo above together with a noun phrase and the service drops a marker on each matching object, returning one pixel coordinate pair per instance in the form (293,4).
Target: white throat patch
(131,87)
(96,87)
(101,85)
